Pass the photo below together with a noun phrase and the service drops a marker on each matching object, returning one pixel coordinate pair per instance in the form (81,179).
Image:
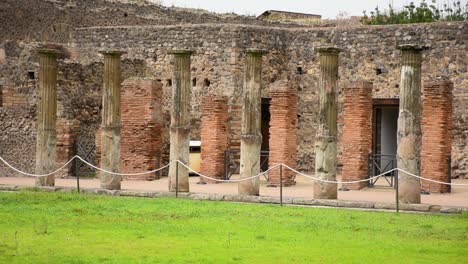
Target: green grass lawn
(38,227)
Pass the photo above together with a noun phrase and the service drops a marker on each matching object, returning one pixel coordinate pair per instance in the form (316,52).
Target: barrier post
(177,180)
(78,182)
(396,193)
(281,184)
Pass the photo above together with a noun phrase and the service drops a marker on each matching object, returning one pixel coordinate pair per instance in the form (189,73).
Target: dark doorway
(265,130)
(385,120)
(384,138)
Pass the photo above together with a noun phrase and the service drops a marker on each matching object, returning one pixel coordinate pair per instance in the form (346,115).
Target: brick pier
(436,134)
(357,132)
(142,123)
(214,136)
(283,133)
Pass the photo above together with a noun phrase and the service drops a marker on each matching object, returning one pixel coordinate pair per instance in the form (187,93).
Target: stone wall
(369,53)
(45,20)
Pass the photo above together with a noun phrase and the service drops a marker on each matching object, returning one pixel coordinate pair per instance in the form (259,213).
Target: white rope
(234,180)
(124,174)
(430,180)
(218,180)
(37,175)
(337,182)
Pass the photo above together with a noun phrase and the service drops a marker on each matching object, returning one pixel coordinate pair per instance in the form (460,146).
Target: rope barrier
(219,180)
(234,180)
(124,174)
(337,182)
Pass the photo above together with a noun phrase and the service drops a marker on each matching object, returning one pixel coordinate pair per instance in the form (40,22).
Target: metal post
(396,194)
(78,182)
(177,180)
(281,184)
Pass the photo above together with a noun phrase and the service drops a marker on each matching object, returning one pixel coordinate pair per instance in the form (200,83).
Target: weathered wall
(369,53)
(48,19)
(141,126)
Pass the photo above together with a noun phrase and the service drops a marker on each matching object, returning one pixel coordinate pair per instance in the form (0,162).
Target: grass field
(37,227)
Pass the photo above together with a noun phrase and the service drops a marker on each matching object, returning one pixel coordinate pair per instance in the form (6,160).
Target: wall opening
(265,130)
(299,70)
(168,82)
(31,75)
(194,82)
(385,124)
(206,83)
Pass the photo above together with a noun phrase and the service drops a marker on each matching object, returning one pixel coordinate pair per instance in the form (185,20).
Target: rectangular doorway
(265,130)
(384,136)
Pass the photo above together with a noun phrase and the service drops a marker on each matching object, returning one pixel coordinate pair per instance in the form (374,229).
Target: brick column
(46,117)
(283,131)
(142,123)
(325,144)
(356,139)
(214,136)
(110,124)
(436,134)
(67,132)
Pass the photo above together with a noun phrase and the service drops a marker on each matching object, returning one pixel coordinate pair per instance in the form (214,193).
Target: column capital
(181,52)
(112,52)
(48,51)
(412,47)
(328,50)
(256,52)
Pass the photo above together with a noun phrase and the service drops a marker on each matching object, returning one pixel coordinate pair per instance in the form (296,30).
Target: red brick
(283,122)
(436,134)
(356,139)
(214,136)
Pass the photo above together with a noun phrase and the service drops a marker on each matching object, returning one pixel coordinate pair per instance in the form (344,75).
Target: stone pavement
(303,189)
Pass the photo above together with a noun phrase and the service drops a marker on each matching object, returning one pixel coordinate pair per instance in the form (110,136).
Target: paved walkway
(303,188)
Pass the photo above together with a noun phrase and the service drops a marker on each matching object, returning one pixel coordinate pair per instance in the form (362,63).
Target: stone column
(357,133)
(46,117)
(180,119)
(325,144)
(110,125)
(251,137)
(437,107)
(214,136)
(409,124)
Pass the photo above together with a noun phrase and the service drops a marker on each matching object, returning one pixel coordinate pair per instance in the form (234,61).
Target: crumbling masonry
(368,54)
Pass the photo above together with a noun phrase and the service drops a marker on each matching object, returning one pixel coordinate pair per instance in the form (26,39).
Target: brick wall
(141,120)
(356,139)
(11,97)
(283,110)
(67,132)
(437,133)
(214,135)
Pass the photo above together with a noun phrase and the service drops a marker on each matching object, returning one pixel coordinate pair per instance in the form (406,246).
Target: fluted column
(409,123)
(180,119)
(251,136)
(110,125)
(325,144)
(47,116)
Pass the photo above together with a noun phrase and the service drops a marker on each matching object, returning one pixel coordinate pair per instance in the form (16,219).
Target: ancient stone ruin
(137,105)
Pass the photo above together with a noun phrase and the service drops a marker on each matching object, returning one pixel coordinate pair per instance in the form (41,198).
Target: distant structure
(277,15)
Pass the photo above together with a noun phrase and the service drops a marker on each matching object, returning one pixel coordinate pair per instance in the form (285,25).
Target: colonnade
(409,126)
